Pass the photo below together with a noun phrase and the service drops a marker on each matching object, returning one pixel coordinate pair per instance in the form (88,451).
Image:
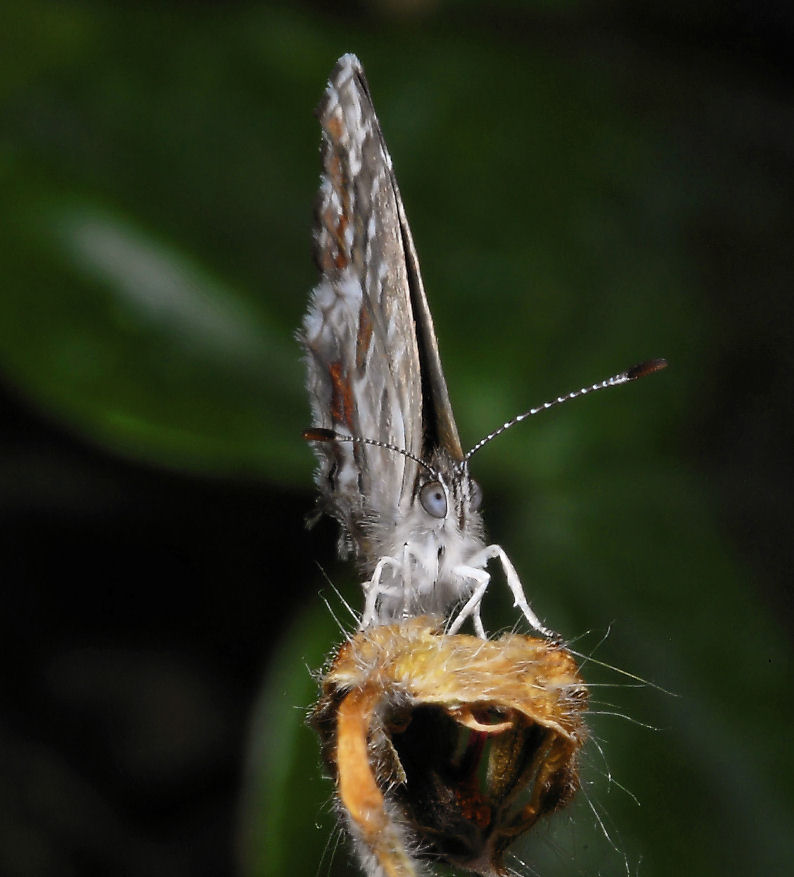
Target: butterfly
(391,467)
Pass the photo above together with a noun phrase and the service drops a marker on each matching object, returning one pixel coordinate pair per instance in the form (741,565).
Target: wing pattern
(361,349)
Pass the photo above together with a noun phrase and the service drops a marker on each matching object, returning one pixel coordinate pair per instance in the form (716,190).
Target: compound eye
(475,495)
(434,499)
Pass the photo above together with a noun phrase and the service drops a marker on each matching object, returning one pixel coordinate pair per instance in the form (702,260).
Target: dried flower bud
(447,748)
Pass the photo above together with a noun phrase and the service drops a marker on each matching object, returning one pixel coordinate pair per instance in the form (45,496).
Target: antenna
(634,373)
(320,434)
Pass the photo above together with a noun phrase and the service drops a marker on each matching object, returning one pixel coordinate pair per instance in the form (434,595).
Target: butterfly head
(445,497)
(447,493)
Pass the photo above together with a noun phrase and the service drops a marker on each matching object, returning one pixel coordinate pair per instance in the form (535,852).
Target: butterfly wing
(372,357)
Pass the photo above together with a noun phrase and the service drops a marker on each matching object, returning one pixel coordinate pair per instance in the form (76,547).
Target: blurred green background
(589,184)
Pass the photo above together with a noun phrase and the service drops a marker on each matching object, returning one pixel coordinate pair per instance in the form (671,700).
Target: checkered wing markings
(364,376)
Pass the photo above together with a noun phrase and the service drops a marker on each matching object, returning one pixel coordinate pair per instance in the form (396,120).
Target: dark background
(589,184)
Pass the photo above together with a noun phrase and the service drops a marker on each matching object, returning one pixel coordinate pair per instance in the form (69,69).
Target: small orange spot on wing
(333,125)
(336,220)
(342,403)
(364,336)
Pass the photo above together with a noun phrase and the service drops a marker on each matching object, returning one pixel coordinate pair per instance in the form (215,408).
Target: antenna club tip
(318,434)
(649,367)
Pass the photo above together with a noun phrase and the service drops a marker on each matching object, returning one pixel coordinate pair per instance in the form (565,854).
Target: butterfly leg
(406,570)
(472,605)
(373,589)
(495,552)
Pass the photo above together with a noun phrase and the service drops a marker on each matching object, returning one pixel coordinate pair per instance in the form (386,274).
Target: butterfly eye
(433,499)
(475,496)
